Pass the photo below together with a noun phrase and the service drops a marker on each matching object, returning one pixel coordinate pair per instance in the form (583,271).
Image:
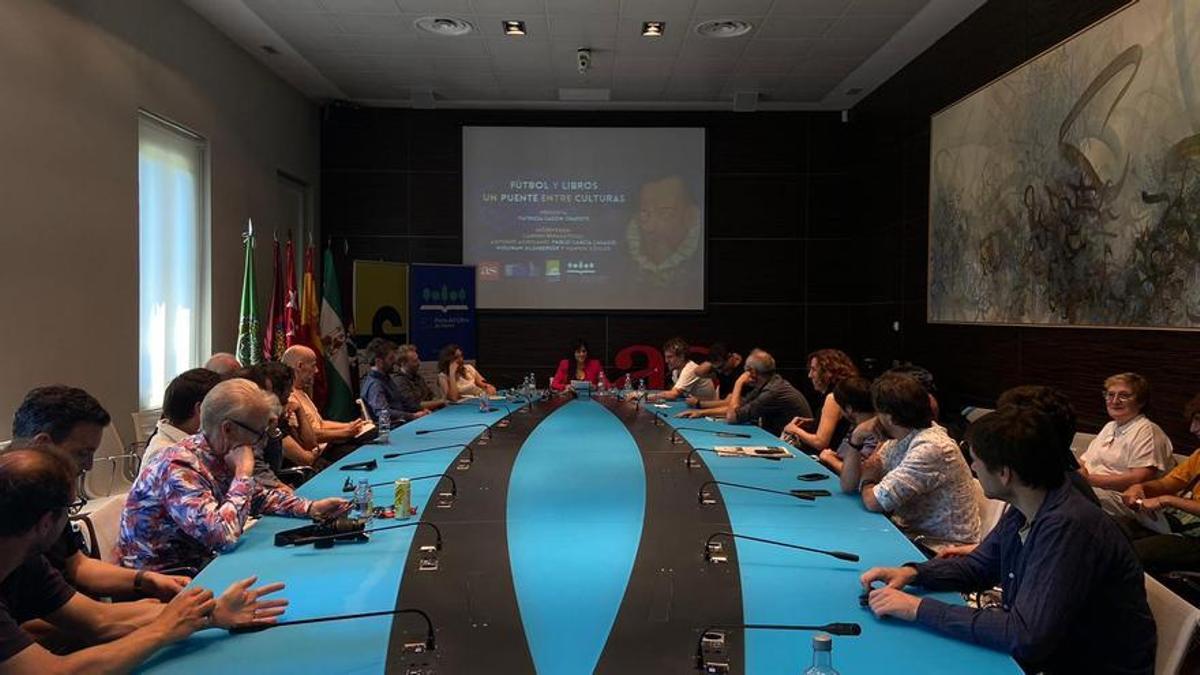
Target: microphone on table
(711,547)
(712,639)
(347,529)
(428,645)
(706,498)
(470,451)
(676,438)
(369,465)
(487,429)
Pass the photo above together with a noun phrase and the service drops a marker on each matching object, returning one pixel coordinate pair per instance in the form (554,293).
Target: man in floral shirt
(192,500)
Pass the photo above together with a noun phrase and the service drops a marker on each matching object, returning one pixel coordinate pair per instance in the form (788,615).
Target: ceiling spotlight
(446,26)
(654,28)
(514,28)
(724,28)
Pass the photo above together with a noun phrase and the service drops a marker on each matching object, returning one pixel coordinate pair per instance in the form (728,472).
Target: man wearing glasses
(71,421)
(36,492)
(193,499)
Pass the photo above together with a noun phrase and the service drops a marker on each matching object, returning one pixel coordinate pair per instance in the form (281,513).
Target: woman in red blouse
(579,367)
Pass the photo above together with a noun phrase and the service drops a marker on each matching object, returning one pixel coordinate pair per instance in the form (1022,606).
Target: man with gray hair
(761,395)
(192,500)
(222,363)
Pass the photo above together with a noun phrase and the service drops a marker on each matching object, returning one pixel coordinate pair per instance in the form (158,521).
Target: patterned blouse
(927,487)
(186,505)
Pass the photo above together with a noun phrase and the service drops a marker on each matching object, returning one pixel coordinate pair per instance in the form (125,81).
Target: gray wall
(73,74)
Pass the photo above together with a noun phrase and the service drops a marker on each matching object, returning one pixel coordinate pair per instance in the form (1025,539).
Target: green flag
(333,343)
(249,344)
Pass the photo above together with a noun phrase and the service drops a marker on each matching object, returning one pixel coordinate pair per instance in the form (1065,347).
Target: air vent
(445,26)
(724,28)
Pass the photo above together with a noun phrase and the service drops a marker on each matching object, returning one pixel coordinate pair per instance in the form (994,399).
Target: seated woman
(853,396)
(826,367)
(458,378)
(919,475)
(1128,450)
(1168,512)
(578,367)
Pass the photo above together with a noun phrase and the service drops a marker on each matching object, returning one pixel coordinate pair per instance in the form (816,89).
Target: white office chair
(972,413)
(990,512)
(114,467)
(101,527)
(1176,620)
(1080,443)
(144,424)
(4,445)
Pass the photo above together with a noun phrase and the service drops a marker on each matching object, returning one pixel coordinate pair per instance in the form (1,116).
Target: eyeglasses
(271,432)
(76,506)
(1119,396)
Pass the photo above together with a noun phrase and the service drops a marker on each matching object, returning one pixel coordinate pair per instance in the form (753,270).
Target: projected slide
(584,218)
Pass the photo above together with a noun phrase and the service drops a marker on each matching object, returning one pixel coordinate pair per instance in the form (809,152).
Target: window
(173,255)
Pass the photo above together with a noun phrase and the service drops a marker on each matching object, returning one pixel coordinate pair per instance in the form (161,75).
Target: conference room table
(575,542)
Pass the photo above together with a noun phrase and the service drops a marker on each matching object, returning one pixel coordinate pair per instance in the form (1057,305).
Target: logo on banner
(489,271)
(521,270)
(443,300)
(552,268)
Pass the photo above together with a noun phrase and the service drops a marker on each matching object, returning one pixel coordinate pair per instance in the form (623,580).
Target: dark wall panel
(889,185)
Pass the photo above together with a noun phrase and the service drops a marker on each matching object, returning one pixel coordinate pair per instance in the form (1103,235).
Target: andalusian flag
(333,339)
(310,323)
(249,344)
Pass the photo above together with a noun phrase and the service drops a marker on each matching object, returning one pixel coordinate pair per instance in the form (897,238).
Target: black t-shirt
(725,381)
(68,544)
(33,590)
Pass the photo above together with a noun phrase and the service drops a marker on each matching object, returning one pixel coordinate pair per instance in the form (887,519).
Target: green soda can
(403,498)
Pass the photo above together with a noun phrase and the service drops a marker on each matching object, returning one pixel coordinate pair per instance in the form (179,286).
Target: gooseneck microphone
(256,627)
(710,547)
(807,495)
(487,429)
(350,486)
(470,451)
(342,532)
(676,438)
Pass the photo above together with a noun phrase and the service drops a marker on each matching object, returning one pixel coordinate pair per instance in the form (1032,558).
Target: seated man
(919,475)
(1074,595)
(684,380)
(223,363)
(38,491)
(180,409)
(760,395)
(415,392)
(303,362)
(71,421)
(379,392)
(194,498)
(1167,538)
(853,396)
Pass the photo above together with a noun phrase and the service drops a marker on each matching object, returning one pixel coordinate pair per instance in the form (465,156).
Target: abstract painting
(1067,192)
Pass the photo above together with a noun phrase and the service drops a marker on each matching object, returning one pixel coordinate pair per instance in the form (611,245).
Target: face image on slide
(664,234)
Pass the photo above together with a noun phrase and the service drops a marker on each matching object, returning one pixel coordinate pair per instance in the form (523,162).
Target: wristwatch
(138,578)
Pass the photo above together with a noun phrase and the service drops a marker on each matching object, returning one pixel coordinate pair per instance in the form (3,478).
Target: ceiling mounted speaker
(745,101)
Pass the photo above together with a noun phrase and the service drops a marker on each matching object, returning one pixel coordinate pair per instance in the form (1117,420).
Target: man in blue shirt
(1073,591)
(380,392)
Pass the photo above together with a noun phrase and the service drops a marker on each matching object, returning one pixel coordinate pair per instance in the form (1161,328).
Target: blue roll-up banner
(442,307)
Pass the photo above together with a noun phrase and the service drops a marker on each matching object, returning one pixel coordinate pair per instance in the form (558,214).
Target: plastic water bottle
(641,390)
(822,663)
(364,500)
(383,421)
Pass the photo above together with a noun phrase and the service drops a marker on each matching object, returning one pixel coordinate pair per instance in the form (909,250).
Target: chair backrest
(1176,620)
(990,511)
(4,445)
(113,468)
(101,527)
(144,424)
(972,413)
(1080,443)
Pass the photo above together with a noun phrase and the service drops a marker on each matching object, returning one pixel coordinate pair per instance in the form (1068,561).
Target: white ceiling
(801,54)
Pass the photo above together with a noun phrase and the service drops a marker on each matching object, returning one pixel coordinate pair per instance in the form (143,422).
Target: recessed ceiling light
(445,26)
(724,28)
(654,28)
(514,28)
